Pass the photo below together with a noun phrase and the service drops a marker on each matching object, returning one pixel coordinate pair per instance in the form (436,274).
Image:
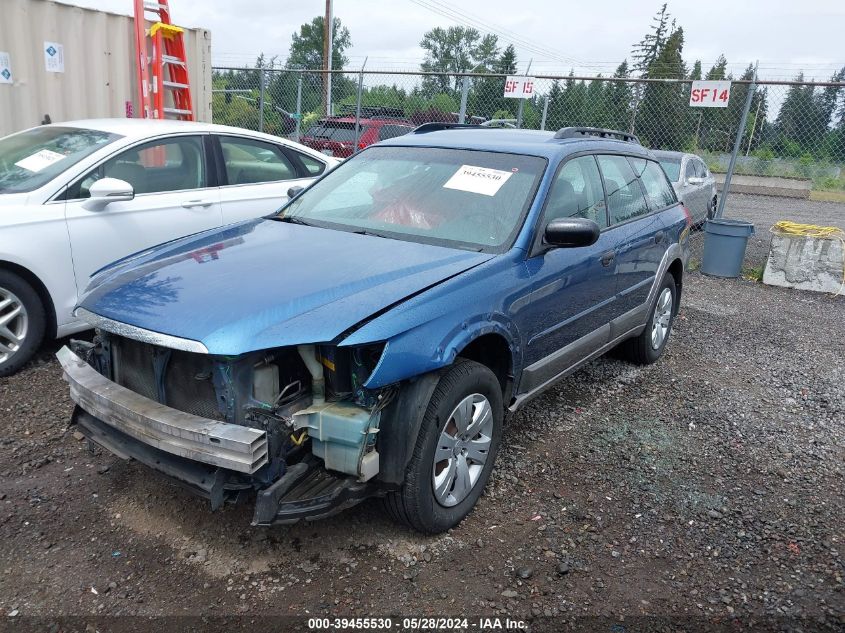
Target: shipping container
(61,62)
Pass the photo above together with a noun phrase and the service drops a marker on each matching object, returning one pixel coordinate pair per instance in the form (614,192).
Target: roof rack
(573,132)
(436,126)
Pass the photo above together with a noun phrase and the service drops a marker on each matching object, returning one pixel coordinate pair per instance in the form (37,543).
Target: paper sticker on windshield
(481,180)
(39,160)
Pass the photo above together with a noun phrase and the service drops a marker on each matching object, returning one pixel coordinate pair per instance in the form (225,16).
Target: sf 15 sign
(519,87)
(710,94)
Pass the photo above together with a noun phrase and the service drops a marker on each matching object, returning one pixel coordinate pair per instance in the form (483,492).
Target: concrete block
(806,263)
(767,185)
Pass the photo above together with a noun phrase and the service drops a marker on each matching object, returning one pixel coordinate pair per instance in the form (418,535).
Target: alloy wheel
(462,450)
(662,319)
(13,324)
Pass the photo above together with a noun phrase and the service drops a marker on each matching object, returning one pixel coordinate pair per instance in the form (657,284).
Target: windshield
(672,167)
(463,198)
(33,158)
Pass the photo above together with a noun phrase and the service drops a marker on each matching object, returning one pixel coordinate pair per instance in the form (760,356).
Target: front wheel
(649,345)
(22,322)
(454,452)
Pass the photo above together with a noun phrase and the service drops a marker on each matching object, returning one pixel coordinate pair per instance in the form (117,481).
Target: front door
(172,199)
(570,295)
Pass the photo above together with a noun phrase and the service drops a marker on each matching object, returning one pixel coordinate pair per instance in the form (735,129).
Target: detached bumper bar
(239,448)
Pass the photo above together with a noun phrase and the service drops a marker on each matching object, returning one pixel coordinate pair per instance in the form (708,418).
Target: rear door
(636,231)
(255,176)
(173,198)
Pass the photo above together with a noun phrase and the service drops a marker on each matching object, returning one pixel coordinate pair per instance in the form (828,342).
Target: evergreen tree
(646,51)
(619,96)
(661,117)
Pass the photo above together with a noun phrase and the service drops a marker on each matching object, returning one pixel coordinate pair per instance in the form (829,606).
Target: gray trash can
(724,246)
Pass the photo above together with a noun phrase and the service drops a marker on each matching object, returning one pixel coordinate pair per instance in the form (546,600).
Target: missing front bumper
(231,446)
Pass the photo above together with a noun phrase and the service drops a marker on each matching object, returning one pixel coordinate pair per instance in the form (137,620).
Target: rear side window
(313,167)
(392,131)
(577,192)
(624,195)
(249,161)
(658,189)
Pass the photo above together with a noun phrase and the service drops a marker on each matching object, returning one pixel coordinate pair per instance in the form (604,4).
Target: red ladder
(161,51)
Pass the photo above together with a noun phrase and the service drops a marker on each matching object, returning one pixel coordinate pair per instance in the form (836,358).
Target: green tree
(457,49)
(662,112)
(646,51)
(620,96)
(306,52)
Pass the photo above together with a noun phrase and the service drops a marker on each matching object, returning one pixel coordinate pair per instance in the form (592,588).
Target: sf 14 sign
(710,94)
(519,87)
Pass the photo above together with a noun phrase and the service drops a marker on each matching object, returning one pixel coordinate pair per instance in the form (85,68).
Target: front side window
(624,195)
(701,169)
(462,198)
(249,161)
(577,192)
(174,164)
(31,159)
(658,189)
(689,171)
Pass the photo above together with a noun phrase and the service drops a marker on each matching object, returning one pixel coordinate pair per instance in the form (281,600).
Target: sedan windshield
(672,167)
(32,158)
(464,198)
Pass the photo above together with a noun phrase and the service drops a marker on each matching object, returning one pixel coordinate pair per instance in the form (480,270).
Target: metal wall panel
(99,75)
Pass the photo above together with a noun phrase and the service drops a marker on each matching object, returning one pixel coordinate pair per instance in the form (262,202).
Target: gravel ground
(707,488)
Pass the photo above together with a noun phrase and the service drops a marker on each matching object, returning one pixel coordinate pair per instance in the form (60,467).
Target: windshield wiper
(370,233)
(291,219)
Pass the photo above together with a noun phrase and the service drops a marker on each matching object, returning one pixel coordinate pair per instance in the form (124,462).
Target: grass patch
(828,196)
(752,274)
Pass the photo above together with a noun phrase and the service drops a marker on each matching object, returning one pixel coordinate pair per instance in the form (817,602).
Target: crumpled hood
(265,283)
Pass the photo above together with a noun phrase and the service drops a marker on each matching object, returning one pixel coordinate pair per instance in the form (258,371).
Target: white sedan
(76,196)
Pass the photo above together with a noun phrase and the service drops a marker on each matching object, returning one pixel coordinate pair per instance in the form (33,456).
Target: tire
(711,210)
(22,322)
(649,345)
(417,504)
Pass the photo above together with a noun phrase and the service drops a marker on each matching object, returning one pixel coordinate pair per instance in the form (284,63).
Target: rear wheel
(22,322)
(649,345)
(711,208)
(454,452)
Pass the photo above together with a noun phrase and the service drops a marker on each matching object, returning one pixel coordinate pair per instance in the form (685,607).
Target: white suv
(76,196)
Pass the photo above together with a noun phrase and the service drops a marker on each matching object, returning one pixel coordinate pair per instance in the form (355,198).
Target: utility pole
(328,29)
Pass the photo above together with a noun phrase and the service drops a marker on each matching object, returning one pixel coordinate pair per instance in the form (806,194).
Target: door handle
(188,204)
(607,258)
(658,237)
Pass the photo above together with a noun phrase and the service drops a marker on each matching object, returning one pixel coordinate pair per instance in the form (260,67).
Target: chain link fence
(793,129)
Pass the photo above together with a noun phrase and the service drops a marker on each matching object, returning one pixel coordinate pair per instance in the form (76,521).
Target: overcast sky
(591,37)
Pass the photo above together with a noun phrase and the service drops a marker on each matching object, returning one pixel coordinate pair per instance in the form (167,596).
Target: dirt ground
(707,488)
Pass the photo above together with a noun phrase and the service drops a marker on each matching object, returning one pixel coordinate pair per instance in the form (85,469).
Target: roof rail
(436,126)
(573,132)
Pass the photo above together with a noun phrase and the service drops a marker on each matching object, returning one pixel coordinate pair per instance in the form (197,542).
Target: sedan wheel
(462,450)
(22,322)
(14,323)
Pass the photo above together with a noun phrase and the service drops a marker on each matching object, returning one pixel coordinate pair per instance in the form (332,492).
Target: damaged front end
(293,426)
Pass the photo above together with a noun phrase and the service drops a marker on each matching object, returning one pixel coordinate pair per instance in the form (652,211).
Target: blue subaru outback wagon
(368,338)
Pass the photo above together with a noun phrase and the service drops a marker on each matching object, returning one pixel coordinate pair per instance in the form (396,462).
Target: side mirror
(571,232)
(294,191)
(695,180)
(107,190)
